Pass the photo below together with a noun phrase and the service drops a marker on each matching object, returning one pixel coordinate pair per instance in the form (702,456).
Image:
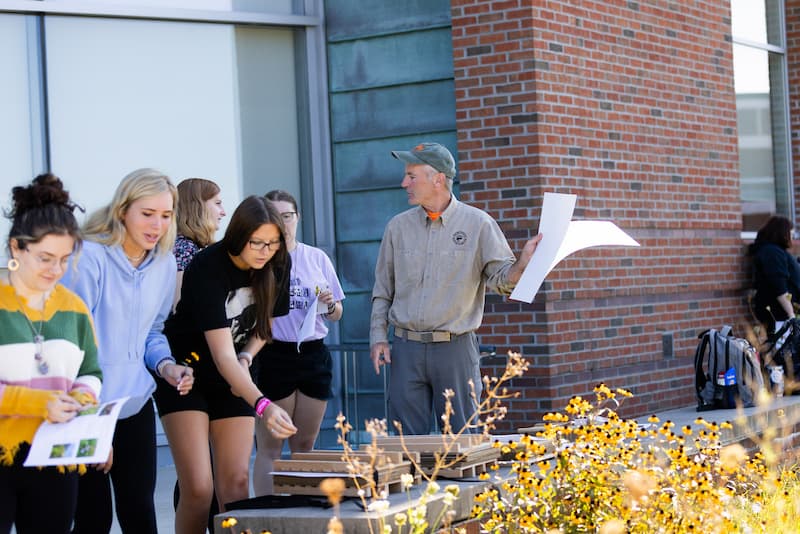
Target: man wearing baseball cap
(435,263)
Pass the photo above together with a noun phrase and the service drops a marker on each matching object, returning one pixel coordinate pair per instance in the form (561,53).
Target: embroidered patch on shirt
(459,238)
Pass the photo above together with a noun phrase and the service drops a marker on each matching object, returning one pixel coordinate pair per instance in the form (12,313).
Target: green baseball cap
(432,154)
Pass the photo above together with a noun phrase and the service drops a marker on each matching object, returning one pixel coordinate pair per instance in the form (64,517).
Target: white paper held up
(561,237)
(306,330)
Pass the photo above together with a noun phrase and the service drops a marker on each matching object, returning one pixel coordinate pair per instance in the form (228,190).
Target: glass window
(17,165)
(749,20)
(283,7)
(761,102)
(180,97)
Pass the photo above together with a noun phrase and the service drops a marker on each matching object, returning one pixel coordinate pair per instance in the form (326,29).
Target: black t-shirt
(216,294)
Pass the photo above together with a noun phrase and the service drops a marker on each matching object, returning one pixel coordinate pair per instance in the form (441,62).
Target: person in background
(198,216)
(298,378)
(776,273)
(48,356)
(434,265)
(231,291)
(126,276)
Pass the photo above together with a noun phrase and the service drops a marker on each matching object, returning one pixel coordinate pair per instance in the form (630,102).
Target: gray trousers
(420,374)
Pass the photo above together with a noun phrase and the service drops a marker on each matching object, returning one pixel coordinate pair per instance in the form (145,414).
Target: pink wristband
(261,405)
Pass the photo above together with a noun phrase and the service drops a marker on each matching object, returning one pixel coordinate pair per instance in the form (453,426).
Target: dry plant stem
(487,413)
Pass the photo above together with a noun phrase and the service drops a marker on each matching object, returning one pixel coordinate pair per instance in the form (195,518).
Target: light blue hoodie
(129,306)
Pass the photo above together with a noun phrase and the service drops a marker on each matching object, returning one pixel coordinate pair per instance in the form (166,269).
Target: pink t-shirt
(311,269)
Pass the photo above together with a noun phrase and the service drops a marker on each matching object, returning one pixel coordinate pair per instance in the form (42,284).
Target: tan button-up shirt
(433,275)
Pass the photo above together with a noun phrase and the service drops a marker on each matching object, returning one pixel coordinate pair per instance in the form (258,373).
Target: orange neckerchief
(433,215)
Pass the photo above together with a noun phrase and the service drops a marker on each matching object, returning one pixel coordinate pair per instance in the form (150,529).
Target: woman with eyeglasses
(231,292)
(48,356)
(297,376)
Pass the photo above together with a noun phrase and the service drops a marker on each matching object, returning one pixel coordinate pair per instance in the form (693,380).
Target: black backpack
(727,371)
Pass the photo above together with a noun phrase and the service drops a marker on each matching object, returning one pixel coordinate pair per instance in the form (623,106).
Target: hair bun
(45,189)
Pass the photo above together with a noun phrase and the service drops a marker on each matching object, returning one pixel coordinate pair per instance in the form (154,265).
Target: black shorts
(215,399)
(281,370)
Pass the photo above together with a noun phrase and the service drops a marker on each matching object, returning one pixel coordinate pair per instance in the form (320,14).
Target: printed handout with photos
(86,439)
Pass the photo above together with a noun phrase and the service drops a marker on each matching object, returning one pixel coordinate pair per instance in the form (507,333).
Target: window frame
(778,97)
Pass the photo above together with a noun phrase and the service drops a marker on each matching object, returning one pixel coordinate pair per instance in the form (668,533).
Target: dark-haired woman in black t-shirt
(230,293)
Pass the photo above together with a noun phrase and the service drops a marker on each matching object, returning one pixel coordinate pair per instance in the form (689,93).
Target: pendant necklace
(38,339)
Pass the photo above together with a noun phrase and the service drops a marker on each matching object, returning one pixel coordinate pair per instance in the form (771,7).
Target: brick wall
(629,105)
(792,8)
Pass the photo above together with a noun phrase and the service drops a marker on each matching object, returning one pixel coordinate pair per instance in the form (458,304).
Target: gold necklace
(137,258)
(38,339)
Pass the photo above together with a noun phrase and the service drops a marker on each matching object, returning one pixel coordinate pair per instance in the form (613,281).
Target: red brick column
(631,106)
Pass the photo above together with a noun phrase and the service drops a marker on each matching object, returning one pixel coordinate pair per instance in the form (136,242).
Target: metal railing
(359,394)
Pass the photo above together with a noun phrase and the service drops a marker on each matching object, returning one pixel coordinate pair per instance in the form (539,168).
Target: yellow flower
(335,526)
(333,488)
(613,526)
(732,456)
(638,484)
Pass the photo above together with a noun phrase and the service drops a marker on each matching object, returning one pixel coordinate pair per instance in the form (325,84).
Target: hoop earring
(13,264)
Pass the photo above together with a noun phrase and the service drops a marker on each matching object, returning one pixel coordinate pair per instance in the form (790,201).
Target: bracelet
(244,355)
(261,405)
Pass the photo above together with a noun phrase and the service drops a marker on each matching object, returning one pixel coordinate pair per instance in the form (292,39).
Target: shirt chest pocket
(410,267)
(456,267)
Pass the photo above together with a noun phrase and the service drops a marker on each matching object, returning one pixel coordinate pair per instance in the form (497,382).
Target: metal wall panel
(390,74)
(368,164)
(391,60)
(392,111)
(364,214)
(349,19)
(360,260)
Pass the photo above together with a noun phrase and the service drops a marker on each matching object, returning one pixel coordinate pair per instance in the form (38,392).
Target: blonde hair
(193,216)
(105,225)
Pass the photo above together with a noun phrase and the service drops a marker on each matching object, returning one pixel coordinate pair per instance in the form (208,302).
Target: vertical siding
(391,86)
(390,71)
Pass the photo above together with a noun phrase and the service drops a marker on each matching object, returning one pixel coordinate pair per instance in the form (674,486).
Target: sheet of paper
(585,234)
(86,439)
(307,328)
(572,236)
(556,213)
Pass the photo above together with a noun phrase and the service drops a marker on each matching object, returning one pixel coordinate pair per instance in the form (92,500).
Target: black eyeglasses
(261,245)
(287,215)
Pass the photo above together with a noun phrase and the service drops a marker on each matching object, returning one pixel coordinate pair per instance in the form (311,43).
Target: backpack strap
(726,330)
(700,376)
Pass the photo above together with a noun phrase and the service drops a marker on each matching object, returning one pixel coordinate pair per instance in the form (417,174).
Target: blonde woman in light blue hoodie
(126,276)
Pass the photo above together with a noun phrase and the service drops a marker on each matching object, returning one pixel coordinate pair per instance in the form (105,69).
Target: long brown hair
(193,218)
(253,212)
(777,230)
